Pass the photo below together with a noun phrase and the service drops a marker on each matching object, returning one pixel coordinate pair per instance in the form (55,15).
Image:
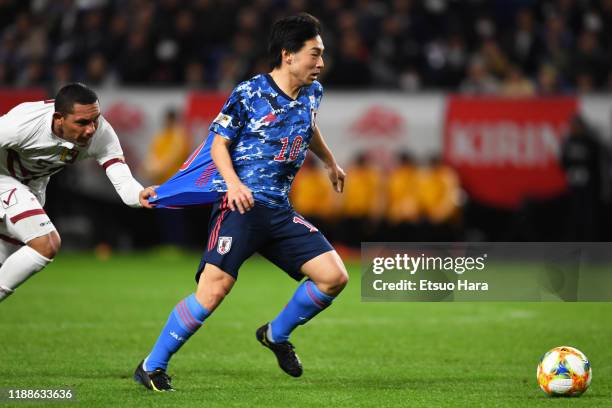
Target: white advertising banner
(383,124)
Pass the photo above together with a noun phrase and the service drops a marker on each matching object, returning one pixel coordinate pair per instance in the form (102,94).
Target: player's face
(79,126)
(307,63)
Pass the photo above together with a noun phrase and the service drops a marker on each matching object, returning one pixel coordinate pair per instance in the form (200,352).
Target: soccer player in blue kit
(255,147)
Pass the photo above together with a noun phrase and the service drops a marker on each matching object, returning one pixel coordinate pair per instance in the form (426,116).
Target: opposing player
(37,139)
(255,147)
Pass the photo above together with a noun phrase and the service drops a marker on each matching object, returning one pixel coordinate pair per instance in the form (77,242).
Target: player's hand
(240,197)
(337,176)
(144,196)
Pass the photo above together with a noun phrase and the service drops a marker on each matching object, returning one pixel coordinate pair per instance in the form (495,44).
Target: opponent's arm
(131,191)
(239,196)
(320,148)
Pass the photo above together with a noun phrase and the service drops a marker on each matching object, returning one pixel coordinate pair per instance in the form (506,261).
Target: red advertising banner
(507,150)
(201,109)
(9,98)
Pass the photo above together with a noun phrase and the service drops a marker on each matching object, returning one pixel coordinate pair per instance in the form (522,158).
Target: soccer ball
(564,371)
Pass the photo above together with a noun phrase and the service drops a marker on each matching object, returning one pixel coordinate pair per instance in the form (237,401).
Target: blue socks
(184,320)
(188,315)
(306,303)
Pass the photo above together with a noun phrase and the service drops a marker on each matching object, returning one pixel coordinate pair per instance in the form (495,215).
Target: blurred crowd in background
(507,47)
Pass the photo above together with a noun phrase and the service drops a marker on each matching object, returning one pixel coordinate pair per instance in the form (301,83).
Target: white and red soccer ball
(564,371)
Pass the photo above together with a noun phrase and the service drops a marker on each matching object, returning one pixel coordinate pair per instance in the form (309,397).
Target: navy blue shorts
(281,235)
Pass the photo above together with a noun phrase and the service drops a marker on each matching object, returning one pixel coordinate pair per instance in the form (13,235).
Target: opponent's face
(306,64)
(79,126)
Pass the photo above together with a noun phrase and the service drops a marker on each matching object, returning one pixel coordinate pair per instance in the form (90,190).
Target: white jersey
(31,153)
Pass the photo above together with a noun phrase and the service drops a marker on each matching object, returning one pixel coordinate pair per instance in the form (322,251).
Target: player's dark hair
(71,94)
(290,34)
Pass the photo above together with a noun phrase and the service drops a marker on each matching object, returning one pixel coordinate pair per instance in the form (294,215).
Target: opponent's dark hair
(290,34)
(71,94)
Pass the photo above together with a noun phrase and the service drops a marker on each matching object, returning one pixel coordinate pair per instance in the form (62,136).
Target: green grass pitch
(85,323)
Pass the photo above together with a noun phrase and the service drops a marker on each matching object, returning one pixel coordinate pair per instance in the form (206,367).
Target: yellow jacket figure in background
(168,150)
(439,192)
(402,192)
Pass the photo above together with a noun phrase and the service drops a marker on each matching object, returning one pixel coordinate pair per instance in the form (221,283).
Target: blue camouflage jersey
(270,134)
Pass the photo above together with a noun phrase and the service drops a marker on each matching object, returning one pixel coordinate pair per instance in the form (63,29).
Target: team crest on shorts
(224,245)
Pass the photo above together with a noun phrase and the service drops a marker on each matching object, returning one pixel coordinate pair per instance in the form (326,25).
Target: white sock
(18,267)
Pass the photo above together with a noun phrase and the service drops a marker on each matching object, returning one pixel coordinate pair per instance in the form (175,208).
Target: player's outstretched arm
(239,196)
(131,191)
(320,148)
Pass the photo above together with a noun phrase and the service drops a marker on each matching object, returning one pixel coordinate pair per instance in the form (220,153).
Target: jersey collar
(280,91)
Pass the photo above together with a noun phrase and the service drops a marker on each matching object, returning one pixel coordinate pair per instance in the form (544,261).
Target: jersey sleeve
(9,131)
(105,147)
(232,116)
